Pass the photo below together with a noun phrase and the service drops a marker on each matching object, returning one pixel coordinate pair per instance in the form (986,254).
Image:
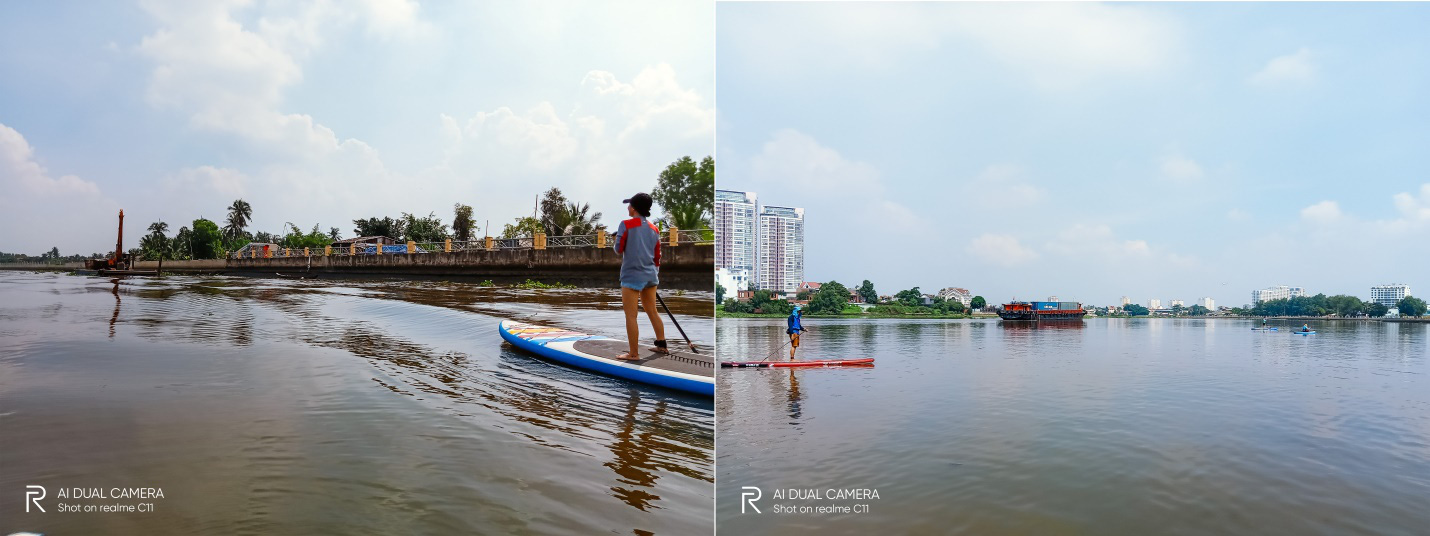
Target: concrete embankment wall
(690,267)
(195,266)
(41,267)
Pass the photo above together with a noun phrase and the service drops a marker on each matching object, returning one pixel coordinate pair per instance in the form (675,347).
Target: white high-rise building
(1207,302)
(1389,295)
(1154,303)
(779,262)
(1176,303)
(961,295)
(732,280)
(736,228)
(1125,301)
(1280,292)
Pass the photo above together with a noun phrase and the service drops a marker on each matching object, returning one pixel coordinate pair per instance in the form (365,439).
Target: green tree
(334,234)
(523,228)
(156,243)
(977,303)
(387,227)
(1133,309)
(424,230)
(179,246)
(731,305)
(1376,310)
(561,216)
(686,193)
(830,300)
(462,223)
(207,240)
(239,214)
(910,298)
(719,293)
(1411,306)
(867,293)
(554,214)
(1198,310)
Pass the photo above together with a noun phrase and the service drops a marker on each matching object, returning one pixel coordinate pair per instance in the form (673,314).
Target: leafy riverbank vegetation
(685,191)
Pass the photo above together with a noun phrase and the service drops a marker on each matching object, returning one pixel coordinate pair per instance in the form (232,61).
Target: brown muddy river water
(262,406)
(1107,427)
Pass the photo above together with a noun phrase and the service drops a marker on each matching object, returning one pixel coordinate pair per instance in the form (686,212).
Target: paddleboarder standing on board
(793,330)
(638,243)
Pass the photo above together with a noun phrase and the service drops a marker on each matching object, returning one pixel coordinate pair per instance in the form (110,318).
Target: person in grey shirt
(638,243)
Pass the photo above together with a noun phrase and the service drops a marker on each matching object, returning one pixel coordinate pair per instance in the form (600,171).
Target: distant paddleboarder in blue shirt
(793,329)
(638,243)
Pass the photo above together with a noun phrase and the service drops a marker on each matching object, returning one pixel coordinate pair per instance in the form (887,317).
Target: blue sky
(1088,151)
(323,112)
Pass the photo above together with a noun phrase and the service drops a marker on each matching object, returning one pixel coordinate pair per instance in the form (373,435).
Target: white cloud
(1004,187)
(1001,249)
(1412,208)
(1096,242)
(1181,169)
(617,138)
(33,195)
(1066,44)
(1056,45)
(208,179)
(1296,67)
(21,174)
(230,81)
(1325,212)
(795,157)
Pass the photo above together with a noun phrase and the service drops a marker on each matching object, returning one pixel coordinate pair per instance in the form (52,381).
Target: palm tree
(334,234)
(157,241)
(239,214)
(576,220)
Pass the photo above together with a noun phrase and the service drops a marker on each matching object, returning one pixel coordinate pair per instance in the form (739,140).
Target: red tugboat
(1042,311)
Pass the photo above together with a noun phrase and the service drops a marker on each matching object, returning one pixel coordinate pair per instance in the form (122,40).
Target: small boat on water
(1300,332)
(865,361)
(680,370)
(1265,329)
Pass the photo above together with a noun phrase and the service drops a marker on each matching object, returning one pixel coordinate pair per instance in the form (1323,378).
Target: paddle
(677,323)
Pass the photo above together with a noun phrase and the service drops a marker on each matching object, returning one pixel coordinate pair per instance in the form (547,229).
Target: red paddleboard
(868,361)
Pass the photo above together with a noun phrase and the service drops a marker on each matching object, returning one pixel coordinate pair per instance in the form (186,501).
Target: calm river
(335,407)
(1111,427)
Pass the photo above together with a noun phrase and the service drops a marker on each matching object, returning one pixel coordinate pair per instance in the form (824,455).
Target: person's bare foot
(628,357)
(659,350)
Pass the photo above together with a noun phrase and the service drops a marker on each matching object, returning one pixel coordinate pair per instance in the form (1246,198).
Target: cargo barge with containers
(1042,311)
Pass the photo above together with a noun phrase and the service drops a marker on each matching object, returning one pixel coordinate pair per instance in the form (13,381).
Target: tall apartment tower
(1279,292)
(736,232)
(779,263)
(1389,295)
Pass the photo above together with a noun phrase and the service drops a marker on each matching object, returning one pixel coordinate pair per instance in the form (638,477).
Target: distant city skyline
(1192,150)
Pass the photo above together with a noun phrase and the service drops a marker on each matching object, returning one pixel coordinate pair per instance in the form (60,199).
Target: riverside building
(779,264)
(736,232)
(1389,295)
(1281,292)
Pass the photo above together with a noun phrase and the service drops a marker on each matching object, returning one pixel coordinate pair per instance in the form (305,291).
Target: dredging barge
(1042,311)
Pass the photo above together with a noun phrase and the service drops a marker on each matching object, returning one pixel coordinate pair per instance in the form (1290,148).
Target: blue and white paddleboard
(1299,332)
(680,370)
